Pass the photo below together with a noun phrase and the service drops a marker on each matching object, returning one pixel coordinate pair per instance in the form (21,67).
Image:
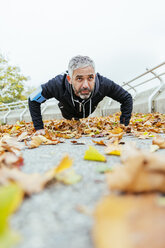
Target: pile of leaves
(141,125)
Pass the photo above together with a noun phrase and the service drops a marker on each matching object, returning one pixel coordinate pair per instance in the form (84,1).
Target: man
(79,91)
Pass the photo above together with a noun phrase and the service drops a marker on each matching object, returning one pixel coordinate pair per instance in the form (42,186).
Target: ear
(69,79)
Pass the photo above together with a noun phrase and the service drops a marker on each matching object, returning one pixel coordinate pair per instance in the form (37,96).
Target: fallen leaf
(93,154)
(113,149)
(10,152)
(141,172)
(75,142)
(160,141)
(101,142)
(23,136)
(115,137)
(65,163)
(129,221)
(35,142)
(11,197)
(103,169)
(117,130)
(68,177)
(154,148)
(33,183)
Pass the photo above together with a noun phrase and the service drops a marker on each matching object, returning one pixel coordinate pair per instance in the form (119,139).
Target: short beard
(82,96)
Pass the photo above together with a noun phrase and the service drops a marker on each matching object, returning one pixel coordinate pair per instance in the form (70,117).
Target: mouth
(85,92)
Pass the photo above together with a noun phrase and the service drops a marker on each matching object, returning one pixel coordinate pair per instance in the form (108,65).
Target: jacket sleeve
(117,93)
(46,91)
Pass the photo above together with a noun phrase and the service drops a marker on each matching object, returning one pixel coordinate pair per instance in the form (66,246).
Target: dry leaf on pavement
(154,148)
(11,197)
(10,152)
(160,141)
(32,183)
(37,140)
(129,221)
(100,142)
(93,154)
(141,172)
(113,149)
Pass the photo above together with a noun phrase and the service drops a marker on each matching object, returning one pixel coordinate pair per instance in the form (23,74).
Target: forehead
(84,71)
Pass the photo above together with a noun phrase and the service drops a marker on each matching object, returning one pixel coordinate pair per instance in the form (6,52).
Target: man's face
(83,81)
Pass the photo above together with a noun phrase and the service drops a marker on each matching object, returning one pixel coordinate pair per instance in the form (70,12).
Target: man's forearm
(126,110)
(35,111)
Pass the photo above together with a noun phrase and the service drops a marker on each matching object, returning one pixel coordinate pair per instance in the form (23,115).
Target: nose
(85,84)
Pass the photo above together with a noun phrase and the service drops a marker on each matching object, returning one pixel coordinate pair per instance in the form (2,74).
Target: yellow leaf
(117,130)
(114,149)
(93,154)
(68,177)
(10,198)
(64,164)
(115,152)
(9,238)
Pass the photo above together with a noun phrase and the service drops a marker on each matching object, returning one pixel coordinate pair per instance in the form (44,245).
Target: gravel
(52,218)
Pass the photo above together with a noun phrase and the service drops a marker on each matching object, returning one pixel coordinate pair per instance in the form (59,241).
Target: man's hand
(40,132)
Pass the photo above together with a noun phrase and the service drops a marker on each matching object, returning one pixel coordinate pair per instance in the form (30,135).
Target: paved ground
(50,219)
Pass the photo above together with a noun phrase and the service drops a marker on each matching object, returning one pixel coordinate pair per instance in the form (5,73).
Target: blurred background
(122,37)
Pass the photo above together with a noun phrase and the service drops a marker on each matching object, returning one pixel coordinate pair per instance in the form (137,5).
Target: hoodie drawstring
(82,104)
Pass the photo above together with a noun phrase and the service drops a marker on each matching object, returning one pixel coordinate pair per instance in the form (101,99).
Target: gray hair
(79,62)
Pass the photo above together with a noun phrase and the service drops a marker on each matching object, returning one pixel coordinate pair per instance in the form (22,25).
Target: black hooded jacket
(72,106)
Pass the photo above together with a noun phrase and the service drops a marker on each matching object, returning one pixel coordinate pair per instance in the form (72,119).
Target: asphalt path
(59,216)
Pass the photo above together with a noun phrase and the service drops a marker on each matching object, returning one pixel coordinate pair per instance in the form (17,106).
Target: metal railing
(22,105)
(133,84)
(152,71)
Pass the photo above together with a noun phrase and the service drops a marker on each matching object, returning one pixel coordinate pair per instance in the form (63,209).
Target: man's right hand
(40,132)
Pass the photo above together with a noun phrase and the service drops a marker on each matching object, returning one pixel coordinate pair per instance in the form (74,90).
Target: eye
(79,79)
(90,77)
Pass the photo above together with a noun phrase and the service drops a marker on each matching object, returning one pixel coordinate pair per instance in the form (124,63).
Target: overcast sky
(122,36)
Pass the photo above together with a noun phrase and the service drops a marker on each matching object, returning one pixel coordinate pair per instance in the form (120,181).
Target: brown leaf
(75,142)
(101,142)
(129,222)
(33,183)
(117,130)
(10,152)
(160,141)
(115,137)
(141,172)
(23,136)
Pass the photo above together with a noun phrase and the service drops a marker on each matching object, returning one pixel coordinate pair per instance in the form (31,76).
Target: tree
(11,82)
